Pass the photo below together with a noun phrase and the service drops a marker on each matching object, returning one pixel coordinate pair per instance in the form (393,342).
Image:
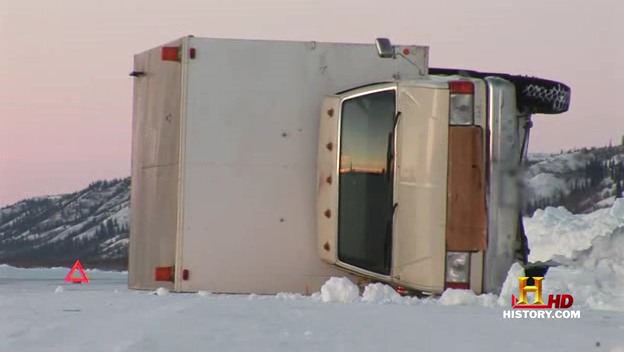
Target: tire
(541,96)
(533,95)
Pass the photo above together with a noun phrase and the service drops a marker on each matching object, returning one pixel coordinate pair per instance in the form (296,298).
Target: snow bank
(453,297)
(510,286)
(590,249)
(339,289)
(555,232)
(380,293)
(595,276)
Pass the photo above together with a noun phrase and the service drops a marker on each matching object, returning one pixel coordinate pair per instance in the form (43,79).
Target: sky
(66,97)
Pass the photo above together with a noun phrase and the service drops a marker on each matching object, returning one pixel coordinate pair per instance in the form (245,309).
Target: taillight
(457,270)
(401,290)
(170,53)
(164,273)
(462,103)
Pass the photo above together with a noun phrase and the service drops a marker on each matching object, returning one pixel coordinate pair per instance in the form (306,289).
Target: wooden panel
(466,210)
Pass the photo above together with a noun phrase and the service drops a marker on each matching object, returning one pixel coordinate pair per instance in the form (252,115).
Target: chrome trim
(359,271)
(503,192)
(358,92)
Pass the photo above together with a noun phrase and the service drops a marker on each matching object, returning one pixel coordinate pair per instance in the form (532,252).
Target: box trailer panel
(155,167)
(269,253)
(252,120)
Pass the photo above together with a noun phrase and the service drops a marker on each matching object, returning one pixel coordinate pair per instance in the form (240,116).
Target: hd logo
(559,301)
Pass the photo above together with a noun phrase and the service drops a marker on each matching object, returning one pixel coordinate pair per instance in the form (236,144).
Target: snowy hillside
(91,225)
(581,181)
(42,313)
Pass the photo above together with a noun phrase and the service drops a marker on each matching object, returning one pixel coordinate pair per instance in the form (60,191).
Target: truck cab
(418,180)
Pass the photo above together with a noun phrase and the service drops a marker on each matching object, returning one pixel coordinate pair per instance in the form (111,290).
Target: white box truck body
(270,166)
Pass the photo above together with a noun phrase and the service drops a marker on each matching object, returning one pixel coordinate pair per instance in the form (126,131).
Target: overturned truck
(268,166)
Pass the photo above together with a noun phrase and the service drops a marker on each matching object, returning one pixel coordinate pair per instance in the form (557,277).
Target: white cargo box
(224,159)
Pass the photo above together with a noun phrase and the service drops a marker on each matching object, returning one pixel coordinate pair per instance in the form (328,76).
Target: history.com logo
(558,306)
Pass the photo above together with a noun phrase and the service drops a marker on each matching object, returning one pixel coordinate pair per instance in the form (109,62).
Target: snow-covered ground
(42,313)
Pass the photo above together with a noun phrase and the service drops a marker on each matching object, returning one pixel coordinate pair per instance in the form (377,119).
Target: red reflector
(461,87)
(192,53)
(406,51)
(401,290)
(170,53)
(185,274)
(458,285)
(164,273)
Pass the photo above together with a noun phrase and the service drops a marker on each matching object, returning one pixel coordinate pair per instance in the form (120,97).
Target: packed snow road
(105,316)
(42,313)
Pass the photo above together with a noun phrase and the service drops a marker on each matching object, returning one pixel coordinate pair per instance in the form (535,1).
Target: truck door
(382,186)
(356,180)
(421,186)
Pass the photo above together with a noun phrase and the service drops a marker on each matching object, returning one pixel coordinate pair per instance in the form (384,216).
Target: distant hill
(92,224)
(580,180)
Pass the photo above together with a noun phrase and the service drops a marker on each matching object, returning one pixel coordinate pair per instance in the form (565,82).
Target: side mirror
(384,48)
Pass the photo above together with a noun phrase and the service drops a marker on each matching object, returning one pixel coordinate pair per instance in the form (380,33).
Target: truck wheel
(541,96)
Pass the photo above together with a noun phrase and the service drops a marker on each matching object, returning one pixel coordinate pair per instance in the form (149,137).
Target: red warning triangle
(77,280)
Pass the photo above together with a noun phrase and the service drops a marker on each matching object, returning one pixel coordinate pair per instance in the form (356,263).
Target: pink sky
(65,97)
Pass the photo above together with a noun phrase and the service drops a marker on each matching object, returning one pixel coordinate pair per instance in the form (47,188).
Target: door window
(366,179)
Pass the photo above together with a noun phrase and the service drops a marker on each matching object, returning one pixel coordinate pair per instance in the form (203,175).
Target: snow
(561,163)
(555,232)
(607,202)
(595,276)
(106,316)
(380,293)
(161,291)
(40,312)
(547,185)
(339,289)
(115,242)
(121,216)
(550,177)
(510,286)
(11,273)
(589,247)
(452,297)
